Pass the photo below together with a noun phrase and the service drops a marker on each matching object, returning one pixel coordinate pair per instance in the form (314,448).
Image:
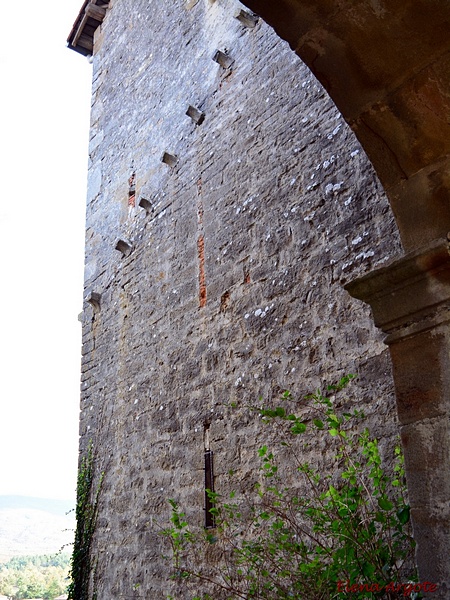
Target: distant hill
(57,507)
(34,526)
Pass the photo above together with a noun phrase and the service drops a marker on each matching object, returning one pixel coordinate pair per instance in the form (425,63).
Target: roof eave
(90,17)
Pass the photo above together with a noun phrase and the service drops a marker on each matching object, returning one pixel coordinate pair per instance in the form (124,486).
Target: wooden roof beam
(91,15)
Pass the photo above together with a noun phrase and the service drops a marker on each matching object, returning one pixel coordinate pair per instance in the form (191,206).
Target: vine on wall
(86,516)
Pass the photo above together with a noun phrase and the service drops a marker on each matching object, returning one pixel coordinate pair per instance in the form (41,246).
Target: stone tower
(228,203)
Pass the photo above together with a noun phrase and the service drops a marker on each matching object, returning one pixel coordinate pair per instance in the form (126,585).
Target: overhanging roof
(91,15)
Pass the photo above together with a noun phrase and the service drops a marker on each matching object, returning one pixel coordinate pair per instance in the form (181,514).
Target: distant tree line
(44,576)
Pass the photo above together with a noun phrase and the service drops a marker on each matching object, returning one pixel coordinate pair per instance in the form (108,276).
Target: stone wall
(215,255)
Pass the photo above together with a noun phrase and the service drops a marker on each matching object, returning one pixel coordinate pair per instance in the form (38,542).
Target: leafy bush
(317,535)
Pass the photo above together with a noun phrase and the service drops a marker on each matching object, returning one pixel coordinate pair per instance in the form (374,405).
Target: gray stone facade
(217,244)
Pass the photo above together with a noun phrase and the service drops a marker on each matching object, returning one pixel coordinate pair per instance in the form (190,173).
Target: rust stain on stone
(201,273)
(224,301)
(132,190)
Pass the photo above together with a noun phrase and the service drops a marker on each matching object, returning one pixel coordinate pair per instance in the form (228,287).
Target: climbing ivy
(86,517)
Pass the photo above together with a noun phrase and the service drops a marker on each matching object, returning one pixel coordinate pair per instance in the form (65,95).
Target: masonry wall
(226,284)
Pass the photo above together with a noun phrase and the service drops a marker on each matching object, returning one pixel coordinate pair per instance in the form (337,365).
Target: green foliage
(86,517)
(44,576)
(304,540)
(61,559)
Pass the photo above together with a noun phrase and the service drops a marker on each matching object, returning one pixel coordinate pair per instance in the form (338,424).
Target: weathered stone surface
(233,288)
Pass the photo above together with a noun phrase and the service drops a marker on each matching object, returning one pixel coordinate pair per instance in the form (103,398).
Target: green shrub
(307,537)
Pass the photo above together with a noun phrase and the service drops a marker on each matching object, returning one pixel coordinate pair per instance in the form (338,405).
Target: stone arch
(386,65)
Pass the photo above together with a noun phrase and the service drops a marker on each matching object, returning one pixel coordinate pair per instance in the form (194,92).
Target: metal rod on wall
(210,519)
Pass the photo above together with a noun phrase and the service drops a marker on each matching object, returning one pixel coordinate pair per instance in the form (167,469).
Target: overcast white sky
(44,117)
